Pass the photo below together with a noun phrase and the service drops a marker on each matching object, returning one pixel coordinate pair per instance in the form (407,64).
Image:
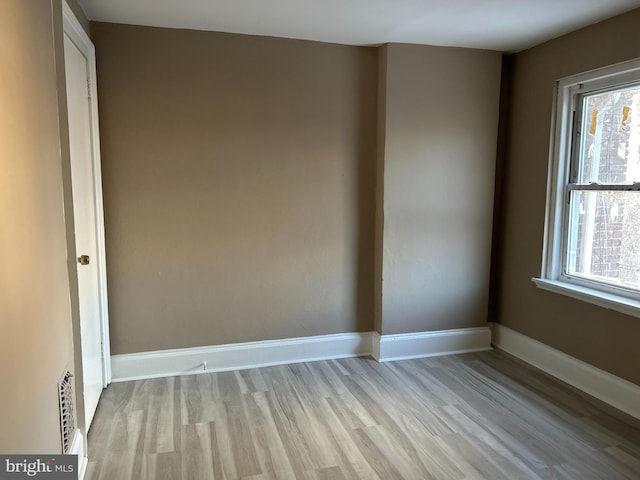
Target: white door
(87,209)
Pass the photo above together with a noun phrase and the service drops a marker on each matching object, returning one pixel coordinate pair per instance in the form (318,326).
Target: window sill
(595,297)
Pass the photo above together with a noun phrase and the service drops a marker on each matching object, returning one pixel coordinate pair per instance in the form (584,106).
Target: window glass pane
(604,237)
(610,138)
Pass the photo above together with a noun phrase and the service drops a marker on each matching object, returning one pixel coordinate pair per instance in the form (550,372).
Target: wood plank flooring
(472,416)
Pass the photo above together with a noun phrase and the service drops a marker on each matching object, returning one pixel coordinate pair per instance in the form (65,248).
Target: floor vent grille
(67,412)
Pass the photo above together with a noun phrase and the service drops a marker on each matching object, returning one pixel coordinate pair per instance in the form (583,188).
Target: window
(592,231)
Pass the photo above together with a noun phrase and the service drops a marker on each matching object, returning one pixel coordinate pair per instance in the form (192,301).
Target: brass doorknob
(83,259)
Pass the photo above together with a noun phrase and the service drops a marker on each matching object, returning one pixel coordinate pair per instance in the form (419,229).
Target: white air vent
(67,412)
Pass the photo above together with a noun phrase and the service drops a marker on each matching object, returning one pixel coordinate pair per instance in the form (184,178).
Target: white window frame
(553,277)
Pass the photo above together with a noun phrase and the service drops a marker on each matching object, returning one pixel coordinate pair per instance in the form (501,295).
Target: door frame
(74,31)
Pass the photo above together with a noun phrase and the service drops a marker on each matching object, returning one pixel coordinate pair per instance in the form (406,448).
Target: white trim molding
(402,346)
(77,448)
(76,34)
(238,356)
(613,390)
(589,295)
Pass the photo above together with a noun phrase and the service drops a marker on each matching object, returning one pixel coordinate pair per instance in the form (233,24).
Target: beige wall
(440,133)
(36,341)
(239,177)
(601,337)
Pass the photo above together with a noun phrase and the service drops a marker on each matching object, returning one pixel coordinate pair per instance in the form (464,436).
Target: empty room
(320,240)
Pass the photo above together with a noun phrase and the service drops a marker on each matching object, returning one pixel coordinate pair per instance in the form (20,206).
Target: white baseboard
(387,348)
(613,390)
(237,356)
(186,361)
(77,448)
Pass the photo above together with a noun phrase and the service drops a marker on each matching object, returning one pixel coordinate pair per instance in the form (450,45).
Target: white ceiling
(506,25)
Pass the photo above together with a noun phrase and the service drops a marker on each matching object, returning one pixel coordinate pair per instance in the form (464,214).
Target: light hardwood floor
(473,416)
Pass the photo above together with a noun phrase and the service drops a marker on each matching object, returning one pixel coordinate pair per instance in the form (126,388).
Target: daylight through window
(593,211)
(604,205)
